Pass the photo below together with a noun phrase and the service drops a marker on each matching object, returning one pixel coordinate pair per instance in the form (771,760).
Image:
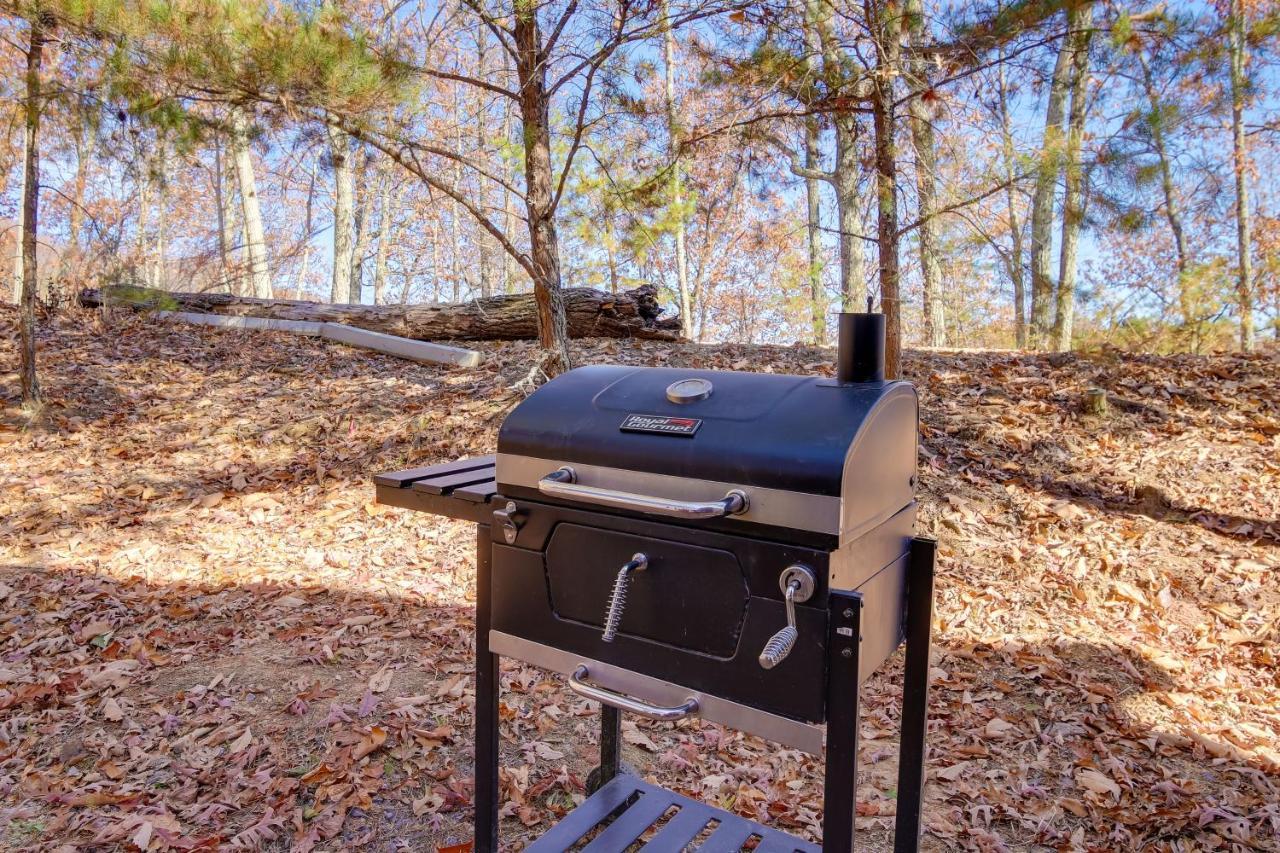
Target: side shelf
(463,489)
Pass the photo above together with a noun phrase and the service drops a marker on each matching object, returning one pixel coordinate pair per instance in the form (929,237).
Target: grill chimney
(860,357)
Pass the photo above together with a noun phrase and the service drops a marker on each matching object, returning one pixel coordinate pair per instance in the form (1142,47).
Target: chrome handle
(797,583)
(563,483)
(579,685)
(618,598)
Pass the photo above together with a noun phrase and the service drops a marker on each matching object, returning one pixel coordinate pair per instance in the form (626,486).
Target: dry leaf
(93,629)
(241,743)
(1096,782)
(381,679)
(371,741)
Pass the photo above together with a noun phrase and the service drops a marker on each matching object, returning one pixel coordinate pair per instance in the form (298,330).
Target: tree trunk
(813,218)
(255,240)
(1017,269)
(922,140)
(1240,155)
(589,313)
(19,277)
(144,221)
(673,152)
(884,16)
(850,207)
(223,196)
(813,198)
(387,202)
(544,248)
(158,269)
(850,204)
(1172,207)
(362,215)
(308,227)
(457,275)
(611,254)
(86,147)
(510,269)
(1081,26)
(343,226)
(1049,168)
(31,394)
(484,239)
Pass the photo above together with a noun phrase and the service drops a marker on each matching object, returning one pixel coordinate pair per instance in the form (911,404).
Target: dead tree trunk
(589,313)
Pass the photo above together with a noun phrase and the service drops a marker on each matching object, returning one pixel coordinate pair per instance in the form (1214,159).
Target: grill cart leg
(915,696)
(610,742)
(839,800)
(486,722)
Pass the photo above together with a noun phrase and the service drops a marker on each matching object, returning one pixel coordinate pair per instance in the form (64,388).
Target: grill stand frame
(474,501)
(840,783)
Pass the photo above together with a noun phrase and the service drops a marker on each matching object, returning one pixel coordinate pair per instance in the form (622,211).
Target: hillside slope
(212,636)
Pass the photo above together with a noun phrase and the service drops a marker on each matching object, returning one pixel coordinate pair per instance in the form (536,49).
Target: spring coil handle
(618,597)
(780,644)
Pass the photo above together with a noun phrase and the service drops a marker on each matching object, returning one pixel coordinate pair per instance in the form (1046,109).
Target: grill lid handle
(563,483)
(579,685)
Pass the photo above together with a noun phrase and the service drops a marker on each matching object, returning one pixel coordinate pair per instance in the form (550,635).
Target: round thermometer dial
(688,390)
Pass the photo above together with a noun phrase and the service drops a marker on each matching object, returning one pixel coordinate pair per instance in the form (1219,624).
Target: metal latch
(797,583)
(508,518)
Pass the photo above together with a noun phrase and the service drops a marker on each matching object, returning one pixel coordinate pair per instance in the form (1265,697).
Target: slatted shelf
(622,811)
(462,489)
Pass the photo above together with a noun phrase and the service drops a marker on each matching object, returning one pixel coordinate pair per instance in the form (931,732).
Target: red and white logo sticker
(661,425)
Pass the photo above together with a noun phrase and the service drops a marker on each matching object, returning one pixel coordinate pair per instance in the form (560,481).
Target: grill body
(679,542)
(827,473)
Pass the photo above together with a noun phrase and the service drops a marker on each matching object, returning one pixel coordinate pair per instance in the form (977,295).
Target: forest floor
(212,637)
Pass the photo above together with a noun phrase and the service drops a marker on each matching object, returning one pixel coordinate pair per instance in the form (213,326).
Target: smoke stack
(860,357)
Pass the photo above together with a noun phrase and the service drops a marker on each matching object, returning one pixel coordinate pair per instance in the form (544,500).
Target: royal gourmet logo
(661,425)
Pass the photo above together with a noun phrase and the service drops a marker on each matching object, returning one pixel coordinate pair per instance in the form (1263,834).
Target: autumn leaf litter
(214,639)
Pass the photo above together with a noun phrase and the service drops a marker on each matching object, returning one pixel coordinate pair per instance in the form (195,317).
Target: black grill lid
(782,432)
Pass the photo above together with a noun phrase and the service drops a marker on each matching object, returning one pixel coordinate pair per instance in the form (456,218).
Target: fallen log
(591,313)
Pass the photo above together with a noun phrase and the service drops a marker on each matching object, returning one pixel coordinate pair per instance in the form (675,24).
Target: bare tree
(884,17)
(1047,173)
(255,240)
(1240,155)
(1080,37)
(343,203)
(19,277)
(1015,262)
(32,397)
(841,85)
(923,142)
(813,199)
(677,177)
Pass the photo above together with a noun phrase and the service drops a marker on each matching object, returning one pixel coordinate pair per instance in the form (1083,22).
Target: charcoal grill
(678,543)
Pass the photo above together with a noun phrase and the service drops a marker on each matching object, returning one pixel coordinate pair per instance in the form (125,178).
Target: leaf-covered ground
(212,638)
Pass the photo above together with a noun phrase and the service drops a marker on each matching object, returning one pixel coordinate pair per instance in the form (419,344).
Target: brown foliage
(213,637)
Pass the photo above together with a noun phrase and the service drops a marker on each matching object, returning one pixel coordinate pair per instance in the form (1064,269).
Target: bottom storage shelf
(614,818)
